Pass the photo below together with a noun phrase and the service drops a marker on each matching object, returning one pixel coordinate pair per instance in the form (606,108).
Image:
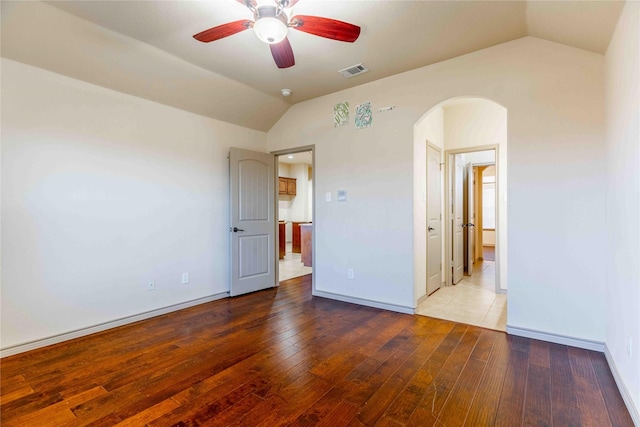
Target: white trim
(626,396)
(422,299)
(55,339)
(555,338)
(365,302)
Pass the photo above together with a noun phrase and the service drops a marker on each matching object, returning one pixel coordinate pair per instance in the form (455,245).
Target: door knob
(430,228)
(471,225)
(236,229)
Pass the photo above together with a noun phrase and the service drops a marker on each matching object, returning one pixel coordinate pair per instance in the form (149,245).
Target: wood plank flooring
(282,357)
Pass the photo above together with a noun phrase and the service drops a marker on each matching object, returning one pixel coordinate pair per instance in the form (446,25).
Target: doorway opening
(460,233)
(294,210)
(471,210)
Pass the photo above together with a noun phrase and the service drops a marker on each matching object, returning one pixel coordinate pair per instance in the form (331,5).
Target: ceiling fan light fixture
(270,27)
(270,30)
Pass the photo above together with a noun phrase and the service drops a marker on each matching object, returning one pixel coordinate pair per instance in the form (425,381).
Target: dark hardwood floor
(282,357)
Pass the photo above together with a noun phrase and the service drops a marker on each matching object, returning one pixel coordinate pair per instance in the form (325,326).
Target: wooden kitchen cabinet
(296,242)
(295,237)
(306,232)
(291,186)
(287,186)
(282,185)
(282,245)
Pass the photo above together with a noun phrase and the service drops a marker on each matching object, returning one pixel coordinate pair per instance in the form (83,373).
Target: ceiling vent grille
(354,70)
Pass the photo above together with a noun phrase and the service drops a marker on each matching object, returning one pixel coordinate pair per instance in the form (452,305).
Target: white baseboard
(626,396)
(422,299)
(555,338)
(55,339)
(365,302)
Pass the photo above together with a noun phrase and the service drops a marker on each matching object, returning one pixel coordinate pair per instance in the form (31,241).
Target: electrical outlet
(151,286)
(350,273)
(185,278)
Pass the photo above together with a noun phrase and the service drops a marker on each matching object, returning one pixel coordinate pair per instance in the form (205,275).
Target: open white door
(457,211)
(252,228)
(471,219)
(434,223)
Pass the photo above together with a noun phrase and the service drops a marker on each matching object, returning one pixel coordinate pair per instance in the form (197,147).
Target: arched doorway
(460,137)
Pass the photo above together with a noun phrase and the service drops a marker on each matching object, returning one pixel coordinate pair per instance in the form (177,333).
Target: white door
(252,183)
(457,212)
(471,219)
(434,223)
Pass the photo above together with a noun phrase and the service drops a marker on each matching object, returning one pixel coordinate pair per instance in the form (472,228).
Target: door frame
(448,234)
(284,152)
(471,210)
(457,250)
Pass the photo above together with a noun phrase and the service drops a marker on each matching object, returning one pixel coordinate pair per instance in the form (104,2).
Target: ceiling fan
(271,24)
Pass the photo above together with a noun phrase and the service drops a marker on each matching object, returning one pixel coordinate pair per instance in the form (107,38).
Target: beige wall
(622,157)
(101,193)
(474,122)
(489,237)
(431,128)
(300,203)
(554,98)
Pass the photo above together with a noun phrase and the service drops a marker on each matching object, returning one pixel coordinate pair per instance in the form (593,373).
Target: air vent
(354,70)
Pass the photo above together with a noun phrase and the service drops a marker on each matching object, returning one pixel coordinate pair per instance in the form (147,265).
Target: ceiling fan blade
(325,27)
(283,54)
(224,30)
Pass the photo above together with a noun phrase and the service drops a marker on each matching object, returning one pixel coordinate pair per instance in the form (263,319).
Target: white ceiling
(396,36)
(293,158)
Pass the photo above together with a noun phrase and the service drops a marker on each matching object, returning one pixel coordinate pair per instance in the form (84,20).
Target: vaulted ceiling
(146,48)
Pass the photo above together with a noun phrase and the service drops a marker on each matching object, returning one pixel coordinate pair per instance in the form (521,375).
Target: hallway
(473,300)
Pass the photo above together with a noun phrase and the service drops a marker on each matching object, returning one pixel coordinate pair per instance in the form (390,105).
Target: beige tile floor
(291,266)
(472,301)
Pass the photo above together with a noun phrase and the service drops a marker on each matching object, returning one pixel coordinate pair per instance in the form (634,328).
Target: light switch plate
(327,197)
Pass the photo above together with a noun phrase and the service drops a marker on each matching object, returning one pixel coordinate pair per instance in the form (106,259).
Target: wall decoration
(341,114)
(363,115)
(385,109)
